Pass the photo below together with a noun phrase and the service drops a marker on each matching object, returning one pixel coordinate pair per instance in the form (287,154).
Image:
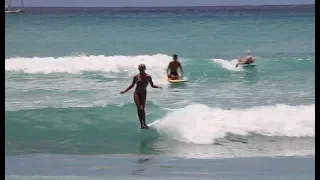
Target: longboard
(151,125)
(248,65)
(176,80)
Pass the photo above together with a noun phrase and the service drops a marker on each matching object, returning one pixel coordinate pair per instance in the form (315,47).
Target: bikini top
(140,83)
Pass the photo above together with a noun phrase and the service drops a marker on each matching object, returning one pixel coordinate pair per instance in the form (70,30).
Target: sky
(152,3)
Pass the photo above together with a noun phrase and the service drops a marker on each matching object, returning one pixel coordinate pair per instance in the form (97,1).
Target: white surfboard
(248,65)
(153,123)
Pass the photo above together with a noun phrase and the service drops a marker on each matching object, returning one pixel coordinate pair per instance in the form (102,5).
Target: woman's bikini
(141,84)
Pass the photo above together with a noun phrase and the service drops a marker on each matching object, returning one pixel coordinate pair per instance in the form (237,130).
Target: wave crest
(76,64)
(201,124)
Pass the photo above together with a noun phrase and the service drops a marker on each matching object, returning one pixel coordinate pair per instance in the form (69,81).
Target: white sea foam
(201,124)
(75,64)
(229,65)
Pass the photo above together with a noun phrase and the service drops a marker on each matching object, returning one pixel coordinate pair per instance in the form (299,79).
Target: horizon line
(163,6)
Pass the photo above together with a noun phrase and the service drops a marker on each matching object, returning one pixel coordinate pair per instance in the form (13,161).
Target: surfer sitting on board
(140,94)
(247,60)
(173,67)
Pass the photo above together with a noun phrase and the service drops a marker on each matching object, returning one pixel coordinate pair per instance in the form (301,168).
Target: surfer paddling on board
(173,67)
(140,94)
(247,60)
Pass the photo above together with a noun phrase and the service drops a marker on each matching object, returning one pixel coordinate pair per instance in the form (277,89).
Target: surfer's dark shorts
(174,74)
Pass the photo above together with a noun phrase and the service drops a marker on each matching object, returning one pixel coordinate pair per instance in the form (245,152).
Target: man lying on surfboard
(173,67)
(247,60)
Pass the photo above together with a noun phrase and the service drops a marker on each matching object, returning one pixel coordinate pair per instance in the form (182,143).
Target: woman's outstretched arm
(151,83)
(131,85)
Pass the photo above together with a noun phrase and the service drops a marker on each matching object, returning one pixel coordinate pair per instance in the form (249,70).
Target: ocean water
(65,117)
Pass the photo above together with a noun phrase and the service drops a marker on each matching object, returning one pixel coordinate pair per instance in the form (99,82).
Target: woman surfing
(140,94)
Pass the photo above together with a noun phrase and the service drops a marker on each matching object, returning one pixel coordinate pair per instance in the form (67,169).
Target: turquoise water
(65,69)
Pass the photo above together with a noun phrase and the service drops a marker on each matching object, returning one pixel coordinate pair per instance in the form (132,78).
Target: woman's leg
(143,98)
(139,108)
